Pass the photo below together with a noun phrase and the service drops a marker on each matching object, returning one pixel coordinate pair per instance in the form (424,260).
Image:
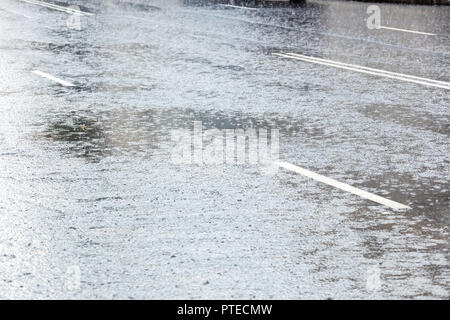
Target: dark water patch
(95,135)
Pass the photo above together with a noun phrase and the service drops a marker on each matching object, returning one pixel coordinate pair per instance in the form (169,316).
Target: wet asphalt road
(87,186)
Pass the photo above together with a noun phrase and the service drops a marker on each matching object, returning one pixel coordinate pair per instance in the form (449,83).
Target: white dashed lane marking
(343,186)
(367,70)
(55,79)
(406,30)
(236,7)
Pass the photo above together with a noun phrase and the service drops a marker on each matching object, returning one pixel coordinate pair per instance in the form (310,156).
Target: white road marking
(371,71)
(50,77)
(58,8)
(410,31)
(236,7)
(343,186)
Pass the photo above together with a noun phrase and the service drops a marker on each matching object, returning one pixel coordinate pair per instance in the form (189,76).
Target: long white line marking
(343,186)
(58,8)
(50,77)
(410,31)
(371,71)
(236,7)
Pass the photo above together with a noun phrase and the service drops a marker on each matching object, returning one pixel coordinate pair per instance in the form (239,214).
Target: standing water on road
(93,206)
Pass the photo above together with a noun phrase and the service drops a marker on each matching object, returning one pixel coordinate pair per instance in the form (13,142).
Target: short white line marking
(371,71)
(343,186)
(50,77)
(410,31)
(236,7)
(58,8)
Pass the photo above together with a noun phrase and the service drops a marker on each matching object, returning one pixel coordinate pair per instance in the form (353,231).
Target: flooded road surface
(92,204)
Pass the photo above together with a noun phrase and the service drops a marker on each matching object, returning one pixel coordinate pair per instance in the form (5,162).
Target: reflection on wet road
(87,182)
